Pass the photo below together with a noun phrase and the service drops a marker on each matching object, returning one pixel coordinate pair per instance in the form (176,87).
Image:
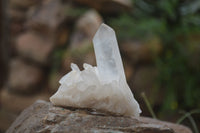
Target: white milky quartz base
(103,87)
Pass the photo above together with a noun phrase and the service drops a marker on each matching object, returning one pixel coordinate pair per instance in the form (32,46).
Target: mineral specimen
(103,87)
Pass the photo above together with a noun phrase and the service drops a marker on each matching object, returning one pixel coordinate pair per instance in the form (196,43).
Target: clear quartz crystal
(103,87)
(107,54)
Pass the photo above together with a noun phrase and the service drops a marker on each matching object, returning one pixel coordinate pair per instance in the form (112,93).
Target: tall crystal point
(103,87)
(109,62)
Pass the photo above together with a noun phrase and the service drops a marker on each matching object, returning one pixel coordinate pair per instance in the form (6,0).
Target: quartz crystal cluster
(103,87)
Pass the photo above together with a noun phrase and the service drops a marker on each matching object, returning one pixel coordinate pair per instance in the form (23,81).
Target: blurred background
(159,42)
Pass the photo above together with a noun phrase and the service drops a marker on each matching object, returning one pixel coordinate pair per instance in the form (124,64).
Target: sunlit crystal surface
(103,87)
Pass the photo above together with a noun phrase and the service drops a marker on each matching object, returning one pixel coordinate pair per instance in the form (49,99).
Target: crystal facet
(103,87)
(107,54)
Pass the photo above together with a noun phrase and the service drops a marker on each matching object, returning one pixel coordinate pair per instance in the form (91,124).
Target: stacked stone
(33,46)
(10,105)
(38,28)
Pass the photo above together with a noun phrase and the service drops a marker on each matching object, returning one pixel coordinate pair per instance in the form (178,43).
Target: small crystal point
(107,54)
(74,67)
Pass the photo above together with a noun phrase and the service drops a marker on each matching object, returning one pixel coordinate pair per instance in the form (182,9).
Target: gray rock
(19,71)
(34,46)
(43,117)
